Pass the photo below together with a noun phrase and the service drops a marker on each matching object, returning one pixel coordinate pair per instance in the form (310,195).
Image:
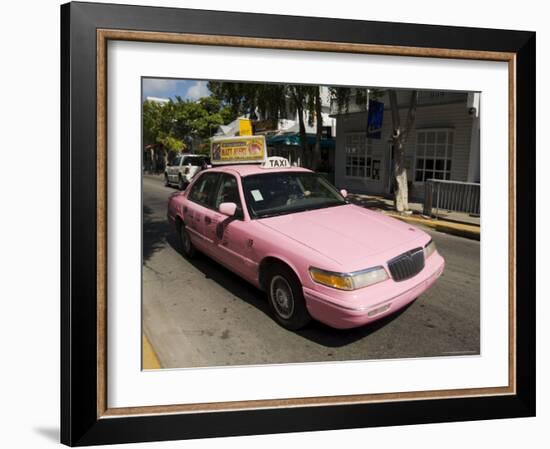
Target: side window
(228,192)
(202,191)
(195,161)
(176,161)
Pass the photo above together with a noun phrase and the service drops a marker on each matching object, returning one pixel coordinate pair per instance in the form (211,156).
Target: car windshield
(280,193)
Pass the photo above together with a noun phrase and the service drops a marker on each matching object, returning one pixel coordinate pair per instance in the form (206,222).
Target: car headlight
(429,249)
(348,281)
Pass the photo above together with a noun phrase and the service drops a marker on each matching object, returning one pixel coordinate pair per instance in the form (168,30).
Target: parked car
(183,168)
(288,231)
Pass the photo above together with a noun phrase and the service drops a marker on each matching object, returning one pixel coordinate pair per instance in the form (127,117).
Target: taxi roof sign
(238,150)
(275,162)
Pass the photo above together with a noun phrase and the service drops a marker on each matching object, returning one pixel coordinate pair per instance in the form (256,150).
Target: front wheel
(186,245)
(166,182)
(286,299)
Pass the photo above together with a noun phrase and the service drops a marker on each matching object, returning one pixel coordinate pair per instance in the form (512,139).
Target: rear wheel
(186,245)
(286,299)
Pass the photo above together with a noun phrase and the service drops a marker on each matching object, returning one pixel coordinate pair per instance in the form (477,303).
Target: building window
(434,152)
(359,160)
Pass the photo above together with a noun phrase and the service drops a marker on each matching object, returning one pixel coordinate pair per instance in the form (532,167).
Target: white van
(182,169)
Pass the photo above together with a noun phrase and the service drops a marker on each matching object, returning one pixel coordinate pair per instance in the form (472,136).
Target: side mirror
(344,193)
(228,209)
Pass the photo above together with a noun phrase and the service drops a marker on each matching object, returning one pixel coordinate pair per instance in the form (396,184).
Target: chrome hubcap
(281,296)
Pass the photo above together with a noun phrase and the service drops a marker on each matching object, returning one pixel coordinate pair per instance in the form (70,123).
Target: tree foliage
(172,144)
(275,101)
(342,97)
(152,121)
(249,98)
(176,122)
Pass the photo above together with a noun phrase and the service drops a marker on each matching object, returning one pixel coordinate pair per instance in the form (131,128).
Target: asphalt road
(197,313)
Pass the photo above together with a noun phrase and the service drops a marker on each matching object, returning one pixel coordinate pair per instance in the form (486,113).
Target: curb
(460,229)
(150,359)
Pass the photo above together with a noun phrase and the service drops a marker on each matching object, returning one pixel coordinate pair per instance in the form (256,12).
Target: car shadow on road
(335,338)
(231,282)
(154,233)
(315,331)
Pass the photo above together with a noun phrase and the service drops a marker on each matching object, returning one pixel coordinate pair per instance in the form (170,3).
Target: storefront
(443,145)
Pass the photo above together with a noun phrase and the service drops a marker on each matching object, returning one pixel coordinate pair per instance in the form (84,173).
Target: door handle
(207,220)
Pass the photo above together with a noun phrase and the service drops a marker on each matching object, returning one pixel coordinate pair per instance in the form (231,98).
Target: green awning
(294,140)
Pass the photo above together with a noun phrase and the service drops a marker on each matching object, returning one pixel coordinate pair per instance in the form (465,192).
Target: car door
(228,235)
(198,206)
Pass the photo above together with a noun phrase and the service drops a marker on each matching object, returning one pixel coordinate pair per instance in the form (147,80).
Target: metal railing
(451,196)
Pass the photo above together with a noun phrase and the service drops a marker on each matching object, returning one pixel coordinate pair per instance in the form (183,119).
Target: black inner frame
(79,422)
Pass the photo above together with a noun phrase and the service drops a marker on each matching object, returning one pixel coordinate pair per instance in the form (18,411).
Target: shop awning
(294,140)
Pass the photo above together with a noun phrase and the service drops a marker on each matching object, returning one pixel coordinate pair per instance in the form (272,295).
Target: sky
(169,88)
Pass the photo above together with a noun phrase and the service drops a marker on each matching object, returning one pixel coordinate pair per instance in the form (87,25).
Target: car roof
(255,169)
(194,155)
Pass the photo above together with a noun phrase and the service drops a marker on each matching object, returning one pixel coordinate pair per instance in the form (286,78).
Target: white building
(444,144)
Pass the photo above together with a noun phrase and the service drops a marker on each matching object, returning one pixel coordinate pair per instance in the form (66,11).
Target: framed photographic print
(278,224)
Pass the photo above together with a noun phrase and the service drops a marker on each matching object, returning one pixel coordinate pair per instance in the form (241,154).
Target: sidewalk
(457,223)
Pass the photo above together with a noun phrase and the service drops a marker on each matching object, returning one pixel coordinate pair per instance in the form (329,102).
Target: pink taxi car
(289,232)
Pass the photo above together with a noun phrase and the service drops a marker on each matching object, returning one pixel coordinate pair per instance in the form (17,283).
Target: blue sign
(374,121)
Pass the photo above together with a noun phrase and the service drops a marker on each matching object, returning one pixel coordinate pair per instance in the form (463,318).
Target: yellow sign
(235,150)
(245,127)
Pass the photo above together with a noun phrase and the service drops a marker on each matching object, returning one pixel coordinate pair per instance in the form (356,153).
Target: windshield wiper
(274,214)
(297,211)
(322,206)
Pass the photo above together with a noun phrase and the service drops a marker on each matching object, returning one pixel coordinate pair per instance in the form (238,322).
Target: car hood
(346,234)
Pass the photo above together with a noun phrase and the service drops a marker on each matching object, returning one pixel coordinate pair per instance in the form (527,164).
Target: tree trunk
(401,191)
(316,156)
(303,136)
(399,138)
(164,158)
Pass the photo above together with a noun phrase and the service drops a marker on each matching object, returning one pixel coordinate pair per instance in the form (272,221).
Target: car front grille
(407,265)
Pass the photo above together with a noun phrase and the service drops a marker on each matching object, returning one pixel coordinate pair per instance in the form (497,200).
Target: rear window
(196,161)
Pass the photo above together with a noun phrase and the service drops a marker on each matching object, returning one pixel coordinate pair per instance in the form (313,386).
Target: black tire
(285,297)
(181,183)
(186,245)
(166,182)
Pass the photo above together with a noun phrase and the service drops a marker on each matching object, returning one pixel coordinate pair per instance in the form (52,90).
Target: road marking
(150,359)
